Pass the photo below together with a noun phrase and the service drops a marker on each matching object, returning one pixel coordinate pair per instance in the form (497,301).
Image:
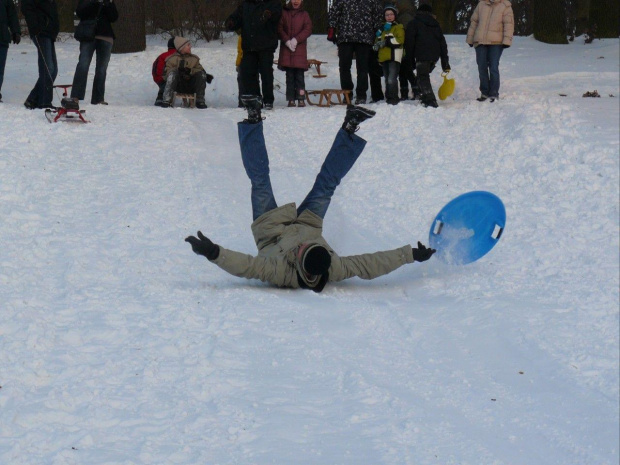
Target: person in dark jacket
(9,30)
(352,26)
(43,26)
(258,21)
(105,12)
(425,44)
(292,252)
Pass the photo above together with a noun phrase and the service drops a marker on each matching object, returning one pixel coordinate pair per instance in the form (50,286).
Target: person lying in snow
(184,74)
(291,249)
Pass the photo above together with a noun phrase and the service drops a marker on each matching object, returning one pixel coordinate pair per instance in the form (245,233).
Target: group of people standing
(403,46)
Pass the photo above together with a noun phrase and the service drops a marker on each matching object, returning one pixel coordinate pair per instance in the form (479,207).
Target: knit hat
(425,7)
(171,43)
(391,7)
(316,260)
(180,42)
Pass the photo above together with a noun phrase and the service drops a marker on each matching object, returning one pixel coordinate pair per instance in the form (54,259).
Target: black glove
(505,46)
(16,38)
(202,245)
(209,78)
(471,45)
(422,253)
(446,69)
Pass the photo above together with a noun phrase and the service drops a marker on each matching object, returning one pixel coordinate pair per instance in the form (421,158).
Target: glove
(202,245)
(265,16)
(387,26)
(294,43)
(471,45)
(421,254)
(289,45)
(446,69)
(209,78)
(378,45)
(331,35)
(505,46)
(16,38)
(378,33)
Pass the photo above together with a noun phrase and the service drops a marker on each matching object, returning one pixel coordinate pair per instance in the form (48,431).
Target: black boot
(355,115)
(252,103)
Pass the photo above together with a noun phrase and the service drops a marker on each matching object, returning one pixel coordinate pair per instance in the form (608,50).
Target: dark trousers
(4,50)
(343,154)
(295,84)
(407,77)
(42,93)
(375,73)
(423,70)
(345,60)
(254,64)
(196,84)
(160,93)
(87,50)
(390,71)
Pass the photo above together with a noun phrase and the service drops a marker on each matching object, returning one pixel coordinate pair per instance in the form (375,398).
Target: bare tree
(604,17)
(66,13)
(317,9)
(130,29)
(445,11)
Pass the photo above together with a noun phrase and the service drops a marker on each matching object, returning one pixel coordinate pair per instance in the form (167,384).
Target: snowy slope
(118,345)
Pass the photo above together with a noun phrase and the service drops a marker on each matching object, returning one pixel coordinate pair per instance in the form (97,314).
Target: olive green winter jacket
(278,235)
(394,41)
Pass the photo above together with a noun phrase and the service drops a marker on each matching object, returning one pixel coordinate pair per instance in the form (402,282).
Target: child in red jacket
(294,28)
(159,65)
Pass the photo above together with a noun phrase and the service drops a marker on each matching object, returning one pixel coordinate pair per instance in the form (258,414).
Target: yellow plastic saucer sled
(447,88)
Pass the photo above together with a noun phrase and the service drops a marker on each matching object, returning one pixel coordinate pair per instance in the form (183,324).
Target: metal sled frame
(66,114)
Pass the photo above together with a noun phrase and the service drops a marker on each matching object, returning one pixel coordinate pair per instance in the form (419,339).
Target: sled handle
(497,232)
(438,227)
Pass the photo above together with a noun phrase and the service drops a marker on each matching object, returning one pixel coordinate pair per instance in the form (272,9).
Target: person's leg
(362,52)
(256,163)
(78,90)
(239,87)
(4,49)
(172,81)
(290,84)
(390,70)
(345,60)
(104,51)
(265,64)
(249,73)
(482,61)
(423,71)
(495,53)
(51,72)
(160,93)
(375,72)
(198,86)
(341,157)
(300,85)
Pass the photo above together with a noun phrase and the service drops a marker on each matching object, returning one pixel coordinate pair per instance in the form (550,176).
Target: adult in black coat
(9,29)
(105,12)
(43,26)
(426,44)
(258,21)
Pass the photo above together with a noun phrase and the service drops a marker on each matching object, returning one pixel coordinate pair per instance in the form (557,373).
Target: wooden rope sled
(317,66)
(189,100)
(325,97)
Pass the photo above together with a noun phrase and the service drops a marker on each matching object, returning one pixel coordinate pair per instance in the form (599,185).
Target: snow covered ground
(118,345)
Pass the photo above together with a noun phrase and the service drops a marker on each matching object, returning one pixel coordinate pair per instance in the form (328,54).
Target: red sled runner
(68,111)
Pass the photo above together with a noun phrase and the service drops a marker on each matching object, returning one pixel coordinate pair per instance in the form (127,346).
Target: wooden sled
(188,100)
(325,97)
(317,66)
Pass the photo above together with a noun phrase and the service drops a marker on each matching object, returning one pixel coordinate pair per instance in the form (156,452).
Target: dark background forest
(550,21)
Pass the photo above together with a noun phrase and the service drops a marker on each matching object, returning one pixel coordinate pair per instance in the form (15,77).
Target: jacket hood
(427,18)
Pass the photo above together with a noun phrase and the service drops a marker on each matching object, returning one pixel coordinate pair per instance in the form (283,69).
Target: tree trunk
(318,13)
(604,18)
(550,21)
(130,29)
(582,17)
(66,9)
(445,11)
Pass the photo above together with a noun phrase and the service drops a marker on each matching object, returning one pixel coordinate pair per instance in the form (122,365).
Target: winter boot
(291,103)
(252,103)
(201,104)
(301,103)
(482,98)
(355,115)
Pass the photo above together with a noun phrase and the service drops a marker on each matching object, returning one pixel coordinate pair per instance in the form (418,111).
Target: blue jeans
(4,50)
(487,58)
(390,71)
(343,154)
(43,92)
(87,49)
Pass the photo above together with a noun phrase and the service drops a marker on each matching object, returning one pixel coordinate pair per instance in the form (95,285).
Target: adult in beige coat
(291,249)
(490,31)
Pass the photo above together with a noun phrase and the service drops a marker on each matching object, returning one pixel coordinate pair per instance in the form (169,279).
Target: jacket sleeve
(472,26)
(29,10)
(110,12)
(509,26)
(249,267)
(443,50)
(306,30)
(334,13)
(397,38)
(370,266)
(13,19)
(410,41)
(276,13)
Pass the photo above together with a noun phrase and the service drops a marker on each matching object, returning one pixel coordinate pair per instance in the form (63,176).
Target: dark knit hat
(171,43)
(391,7)
(425,7)
(316,260)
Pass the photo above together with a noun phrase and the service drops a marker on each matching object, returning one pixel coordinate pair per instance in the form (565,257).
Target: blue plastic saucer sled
(468,227)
